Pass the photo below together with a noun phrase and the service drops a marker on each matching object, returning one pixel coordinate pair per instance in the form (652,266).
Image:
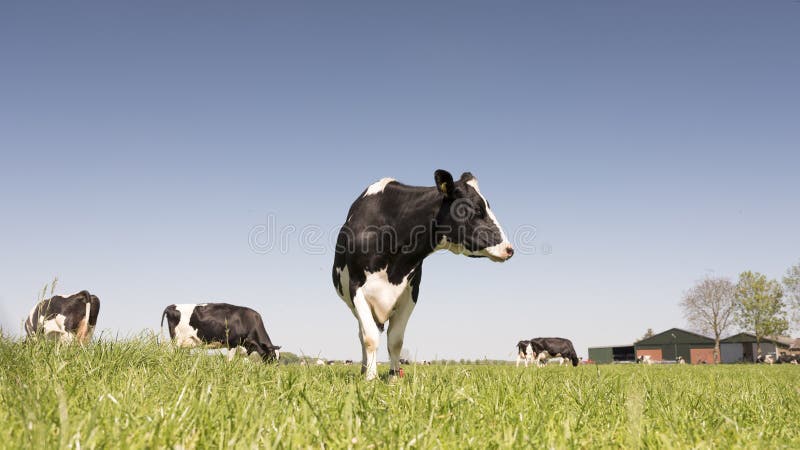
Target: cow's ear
(466,176)
(444,182)
(276,347)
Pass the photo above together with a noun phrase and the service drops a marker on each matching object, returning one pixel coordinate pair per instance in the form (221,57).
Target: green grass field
(137,394)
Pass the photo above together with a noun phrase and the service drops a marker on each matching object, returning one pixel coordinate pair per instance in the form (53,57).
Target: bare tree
(709,308)
(791,287)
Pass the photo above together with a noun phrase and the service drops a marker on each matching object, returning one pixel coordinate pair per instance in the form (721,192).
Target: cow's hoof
(395,375)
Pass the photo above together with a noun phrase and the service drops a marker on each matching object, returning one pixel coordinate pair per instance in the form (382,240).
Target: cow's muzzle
(500,252)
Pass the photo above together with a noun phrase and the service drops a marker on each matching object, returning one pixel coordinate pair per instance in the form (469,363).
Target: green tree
(759,306)
(289,358)
(647,334)
(791,285)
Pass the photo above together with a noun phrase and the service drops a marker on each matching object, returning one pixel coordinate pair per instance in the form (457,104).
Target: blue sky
(648,143)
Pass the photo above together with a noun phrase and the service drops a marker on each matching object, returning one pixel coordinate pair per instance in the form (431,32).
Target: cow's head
(272,353)
(467,225)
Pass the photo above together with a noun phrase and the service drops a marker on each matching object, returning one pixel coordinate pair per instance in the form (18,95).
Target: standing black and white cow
(65,318)
(389,231)
(554,347)
(219,323)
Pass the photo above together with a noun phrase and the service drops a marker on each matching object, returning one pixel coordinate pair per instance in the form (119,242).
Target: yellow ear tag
(443,188)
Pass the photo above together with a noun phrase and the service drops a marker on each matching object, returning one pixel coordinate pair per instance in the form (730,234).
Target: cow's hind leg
(397,330)
(363,350)
(361,341)
(370,335)
(82,333)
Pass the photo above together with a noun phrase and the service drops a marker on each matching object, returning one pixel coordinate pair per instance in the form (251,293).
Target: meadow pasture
(139,394)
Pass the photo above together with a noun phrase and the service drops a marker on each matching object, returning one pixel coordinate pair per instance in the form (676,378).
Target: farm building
(664,346)
(611,354)
(694,348)
(668,345)
(742,347)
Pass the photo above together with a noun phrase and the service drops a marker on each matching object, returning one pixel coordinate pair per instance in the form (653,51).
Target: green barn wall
(601,355)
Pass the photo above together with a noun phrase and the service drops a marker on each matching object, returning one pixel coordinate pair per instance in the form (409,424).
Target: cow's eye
(463,209)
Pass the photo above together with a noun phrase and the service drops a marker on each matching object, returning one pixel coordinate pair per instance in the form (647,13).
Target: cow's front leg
(251,346)
(397,330)
(370,335)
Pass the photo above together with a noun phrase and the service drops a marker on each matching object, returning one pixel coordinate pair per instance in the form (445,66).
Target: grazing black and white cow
(554,347)
(389,231)
(65,318)
(222,324)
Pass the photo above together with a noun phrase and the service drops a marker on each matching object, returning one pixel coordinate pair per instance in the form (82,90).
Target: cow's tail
(32,322)
(161,328)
